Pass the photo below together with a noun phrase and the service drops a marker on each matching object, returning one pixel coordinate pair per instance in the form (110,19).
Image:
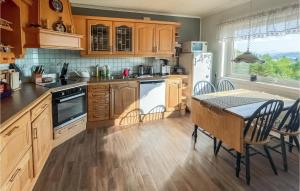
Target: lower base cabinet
(42,137)
(123,99)
(21,177)
(173,94)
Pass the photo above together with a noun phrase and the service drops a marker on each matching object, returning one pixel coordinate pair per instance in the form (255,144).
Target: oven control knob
(62,93)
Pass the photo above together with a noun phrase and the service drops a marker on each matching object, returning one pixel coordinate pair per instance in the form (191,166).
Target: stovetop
(60,83)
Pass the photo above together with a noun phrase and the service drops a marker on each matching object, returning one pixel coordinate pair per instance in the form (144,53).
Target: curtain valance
(280,21)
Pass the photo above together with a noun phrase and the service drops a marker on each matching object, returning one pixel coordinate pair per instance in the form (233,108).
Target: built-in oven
(68,105)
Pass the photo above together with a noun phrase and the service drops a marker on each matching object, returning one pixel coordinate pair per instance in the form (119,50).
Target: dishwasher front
(152,95)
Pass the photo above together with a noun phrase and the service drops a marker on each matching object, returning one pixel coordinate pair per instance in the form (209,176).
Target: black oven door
(68,107)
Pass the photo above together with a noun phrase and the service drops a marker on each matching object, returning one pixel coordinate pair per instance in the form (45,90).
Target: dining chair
(225,85)
(200,88)
(288,126)
(256,132)
(204,87)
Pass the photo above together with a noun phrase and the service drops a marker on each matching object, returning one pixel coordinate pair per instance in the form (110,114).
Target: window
(280,53)
(275,38)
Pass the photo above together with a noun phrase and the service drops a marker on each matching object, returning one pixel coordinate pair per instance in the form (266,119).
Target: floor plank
(156,156)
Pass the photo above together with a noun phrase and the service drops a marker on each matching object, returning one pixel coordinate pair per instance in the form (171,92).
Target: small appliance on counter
(11,77)
(165,68)
(145,70)
(178,70)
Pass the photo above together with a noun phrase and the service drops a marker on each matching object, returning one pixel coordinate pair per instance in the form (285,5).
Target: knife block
(37,78)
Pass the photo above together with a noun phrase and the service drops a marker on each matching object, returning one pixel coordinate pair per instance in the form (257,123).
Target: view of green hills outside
(283,67)
(281,55)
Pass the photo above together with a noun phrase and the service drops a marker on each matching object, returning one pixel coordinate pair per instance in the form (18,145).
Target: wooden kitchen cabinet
(123,98)
(173,94)
(123,38)
(99,37)
(145,39)
(14,143)
(120,36)
(21,177)
(164,39)
(98,102)
(42,137)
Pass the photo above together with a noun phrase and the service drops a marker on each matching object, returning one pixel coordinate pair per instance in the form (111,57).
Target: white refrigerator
(198,66)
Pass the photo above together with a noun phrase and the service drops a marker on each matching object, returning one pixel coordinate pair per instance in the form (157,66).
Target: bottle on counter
(107,71)
(97,71)
(103,71)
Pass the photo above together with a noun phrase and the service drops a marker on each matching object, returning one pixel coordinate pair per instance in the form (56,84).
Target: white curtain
(280,21)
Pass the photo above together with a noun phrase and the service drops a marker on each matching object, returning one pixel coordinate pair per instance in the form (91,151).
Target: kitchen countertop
(20,99)
(30,92)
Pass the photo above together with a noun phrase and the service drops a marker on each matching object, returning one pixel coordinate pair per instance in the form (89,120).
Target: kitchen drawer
(37,110)
(68,131)
(98,116)
(98,94)
(14,142)
(21,177)
(98,87)
(101,108)
(98,100)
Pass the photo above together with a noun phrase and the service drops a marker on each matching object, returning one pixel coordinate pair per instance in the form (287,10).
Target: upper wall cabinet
(126,37)
(99,37)
(123,38)
(164,39)
(145,39)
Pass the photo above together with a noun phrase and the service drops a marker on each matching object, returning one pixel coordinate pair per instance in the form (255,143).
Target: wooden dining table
(223,114)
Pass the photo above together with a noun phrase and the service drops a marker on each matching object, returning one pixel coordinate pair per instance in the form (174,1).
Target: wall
(189,30)
(52,60)
(210,25)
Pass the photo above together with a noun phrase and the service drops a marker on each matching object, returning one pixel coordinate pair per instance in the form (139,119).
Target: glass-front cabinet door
(99,37)
(123,38)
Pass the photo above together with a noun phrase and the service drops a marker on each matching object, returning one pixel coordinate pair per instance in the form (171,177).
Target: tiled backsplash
(52,60)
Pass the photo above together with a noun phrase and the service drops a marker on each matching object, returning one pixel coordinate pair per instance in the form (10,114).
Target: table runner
(234,98)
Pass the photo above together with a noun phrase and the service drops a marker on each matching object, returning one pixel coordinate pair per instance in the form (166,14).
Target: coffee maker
(165,68)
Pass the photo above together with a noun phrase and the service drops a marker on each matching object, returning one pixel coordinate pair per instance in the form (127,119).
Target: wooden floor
(156,156)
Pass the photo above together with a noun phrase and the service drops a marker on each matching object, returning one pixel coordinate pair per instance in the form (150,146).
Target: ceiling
(194,8)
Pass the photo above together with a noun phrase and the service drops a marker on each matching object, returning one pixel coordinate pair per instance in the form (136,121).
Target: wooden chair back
(261,122)
(291,121)
(225,85)
(204,87)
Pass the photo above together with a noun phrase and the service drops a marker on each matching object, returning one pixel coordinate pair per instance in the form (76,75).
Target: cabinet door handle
(12,130)
(156,48)
(14,175)
(34,133)
(44,106)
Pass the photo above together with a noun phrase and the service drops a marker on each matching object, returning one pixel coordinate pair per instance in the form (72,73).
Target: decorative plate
(56,5)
